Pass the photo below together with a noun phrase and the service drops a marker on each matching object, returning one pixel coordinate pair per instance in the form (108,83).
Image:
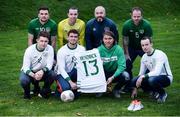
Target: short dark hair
(44,34)
(137,9)
(110,33)
(73,7)
(73,31)
(43,8)
(146,37)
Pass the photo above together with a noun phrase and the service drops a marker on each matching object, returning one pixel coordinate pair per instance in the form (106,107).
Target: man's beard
(44,20)
(100,19)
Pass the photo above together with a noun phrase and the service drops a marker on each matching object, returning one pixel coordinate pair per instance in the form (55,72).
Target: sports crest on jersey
(106,29)
(141,31)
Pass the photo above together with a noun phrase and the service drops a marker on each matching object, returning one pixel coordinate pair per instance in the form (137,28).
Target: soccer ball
(67,96)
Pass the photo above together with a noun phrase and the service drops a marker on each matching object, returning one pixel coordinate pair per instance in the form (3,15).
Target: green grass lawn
(14,17)
(13,44)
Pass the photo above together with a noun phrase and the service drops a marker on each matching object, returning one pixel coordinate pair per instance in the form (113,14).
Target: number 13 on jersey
(90,72)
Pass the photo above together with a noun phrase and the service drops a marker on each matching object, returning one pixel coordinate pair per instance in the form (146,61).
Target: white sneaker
(31,92)
(132,105)
(138,106)
(39,95)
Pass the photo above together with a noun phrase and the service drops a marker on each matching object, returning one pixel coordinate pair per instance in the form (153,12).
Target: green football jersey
(136,33)
(35,27)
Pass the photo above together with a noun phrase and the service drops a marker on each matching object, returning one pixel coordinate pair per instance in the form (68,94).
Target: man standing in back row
(42,23)
(133,31)
(97,26)
(72,22)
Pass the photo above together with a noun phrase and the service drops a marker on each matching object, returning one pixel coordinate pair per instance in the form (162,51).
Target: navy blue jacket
(94,32)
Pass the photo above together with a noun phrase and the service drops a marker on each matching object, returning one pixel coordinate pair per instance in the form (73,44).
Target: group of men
(76,36)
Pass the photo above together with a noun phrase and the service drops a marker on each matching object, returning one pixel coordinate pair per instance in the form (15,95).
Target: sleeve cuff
(68,78)
(45,69)
(28,72)
(146,76)
(113,77)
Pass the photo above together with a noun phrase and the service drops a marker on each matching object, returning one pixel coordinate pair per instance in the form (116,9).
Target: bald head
(99,13)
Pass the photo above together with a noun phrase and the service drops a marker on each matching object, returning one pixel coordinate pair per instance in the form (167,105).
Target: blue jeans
(26,80)
(154,83)
(121,80)
(63,84)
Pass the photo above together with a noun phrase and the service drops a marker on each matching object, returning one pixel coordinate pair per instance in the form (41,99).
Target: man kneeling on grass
(37,65)
(159,75)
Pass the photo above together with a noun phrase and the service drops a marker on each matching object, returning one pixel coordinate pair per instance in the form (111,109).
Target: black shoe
(154,95)
(76,94)
(27,96)
(162,98)
(116,93)
(98,95)
(36,91)
(45,93)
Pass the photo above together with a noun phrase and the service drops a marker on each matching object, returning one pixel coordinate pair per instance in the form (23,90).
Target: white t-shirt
(157,64)
(36,60)
(66,59)
(90,72)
